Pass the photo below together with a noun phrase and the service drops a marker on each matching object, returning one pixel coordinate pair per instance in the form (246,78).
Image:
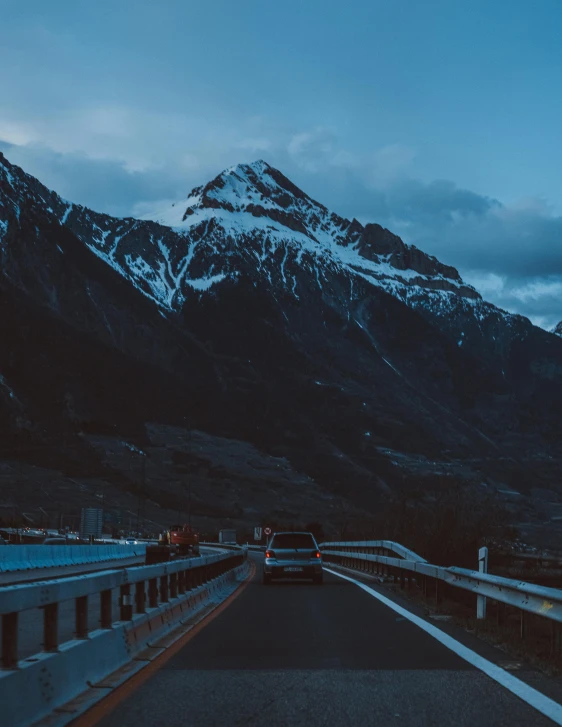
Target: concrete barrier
(49,681)
(29,557)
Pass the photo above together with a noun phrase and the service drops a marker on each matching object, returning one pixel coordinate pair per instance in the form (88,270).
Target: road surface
(298,654)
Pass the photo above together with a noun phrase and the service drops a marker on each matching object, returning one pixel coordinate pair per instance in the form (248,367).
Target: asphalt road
(298,654)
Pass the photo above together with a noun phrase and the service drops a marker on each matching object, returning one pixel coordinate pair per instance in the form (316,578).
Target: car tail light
(269,554)
(318,554)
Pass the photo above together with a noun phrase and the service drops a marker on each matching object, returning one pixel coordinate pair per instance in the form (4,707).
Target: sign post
(267,532)
(483,568)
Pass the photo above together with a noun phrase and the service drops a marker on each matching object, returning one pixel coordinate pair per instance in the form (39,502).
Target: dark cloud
(509,241)
(538,298)
(102,184)
(438,202)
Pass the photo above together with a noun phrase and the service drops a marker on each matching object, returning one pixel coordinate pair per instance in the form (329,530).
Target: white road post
(483,568)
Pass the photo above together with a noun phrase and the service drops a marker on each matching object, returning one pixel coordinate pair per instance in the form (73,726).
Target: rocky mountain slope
(249,318)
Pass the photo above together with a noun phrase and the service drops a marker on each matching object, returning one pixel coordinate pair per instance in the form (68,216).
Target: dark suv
(292,555)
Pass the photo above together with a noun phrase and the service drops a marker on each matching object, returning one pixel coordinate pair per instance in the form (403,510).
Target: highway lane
(298,654)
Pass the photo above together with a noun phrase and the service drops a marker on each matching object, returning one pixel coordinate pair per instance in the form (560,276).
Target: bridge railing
(375,547)
(153,585)
(367,556)
(231,546)
(29,557)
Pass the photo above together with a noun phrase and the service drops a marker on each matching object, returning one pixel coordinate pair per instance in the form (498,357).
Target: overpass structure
(203,642)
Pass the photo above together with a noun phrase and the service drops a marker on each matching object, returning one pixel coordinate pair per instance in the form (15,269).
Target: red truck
(177,542)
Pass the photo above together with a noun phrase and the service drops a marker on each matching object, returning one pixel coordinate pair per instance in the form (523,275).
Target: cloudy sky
(440,119)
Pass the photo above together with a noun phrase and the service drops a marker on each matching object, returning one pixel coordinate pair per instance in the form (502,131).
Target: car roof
(293,532)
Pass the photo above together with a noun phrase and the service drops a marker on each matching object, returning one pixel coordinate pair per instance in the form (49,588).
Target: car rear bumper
(279,570)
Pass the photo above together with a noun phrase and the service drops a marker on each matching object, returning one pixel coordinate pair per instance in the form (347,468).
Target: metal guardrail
(225,546)
(165,581)
(231,546)
(527,597)
(381,547)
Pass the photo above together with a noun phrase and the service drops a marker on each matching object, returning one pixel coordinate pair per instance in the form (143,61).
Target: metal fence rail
(153,585)
(527,597)
(231,546)
(378,547)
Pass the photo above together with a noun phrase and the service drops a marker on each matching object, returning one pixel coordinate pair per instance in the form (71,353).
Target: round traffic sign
(267,531)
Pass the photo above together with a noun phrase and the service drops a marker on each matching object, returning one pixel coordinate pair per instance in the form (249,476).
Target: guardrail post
(140,597)
(125,603)
(483,568)
(555,638)
(524,624)
(81,607)
(181,582)
(106,617)
(189,580)
(51,627)
(173,585)
(164,589)
(10,640)
(153,593)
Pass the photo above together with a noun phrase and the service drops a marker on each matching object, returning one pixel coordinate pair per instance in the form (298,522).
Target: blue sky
(439,119)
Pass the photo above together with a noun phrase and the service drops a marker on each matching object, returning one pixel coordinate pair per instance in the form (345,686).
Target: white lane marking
(531,696)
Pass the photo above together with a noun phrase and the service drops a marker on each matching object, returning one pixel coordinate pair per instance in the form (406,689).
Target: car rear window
(293,540)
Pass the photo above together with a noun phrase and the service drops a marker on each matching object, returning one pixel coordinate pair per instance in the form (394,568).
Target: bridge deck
(298,654)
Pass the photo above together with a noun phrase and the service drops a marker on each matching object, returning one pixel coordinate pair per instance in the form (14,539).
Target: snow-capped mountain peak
(246,185)
(249,221)
(255,210)
(260,191)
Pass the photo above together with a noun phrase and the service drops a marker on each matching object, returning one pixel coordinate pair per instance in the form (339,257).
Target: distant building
(91,522)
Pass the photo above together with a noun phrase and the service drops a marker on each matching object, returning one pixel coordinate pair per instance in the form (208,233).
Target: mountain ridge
(241,202)
(318,348)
